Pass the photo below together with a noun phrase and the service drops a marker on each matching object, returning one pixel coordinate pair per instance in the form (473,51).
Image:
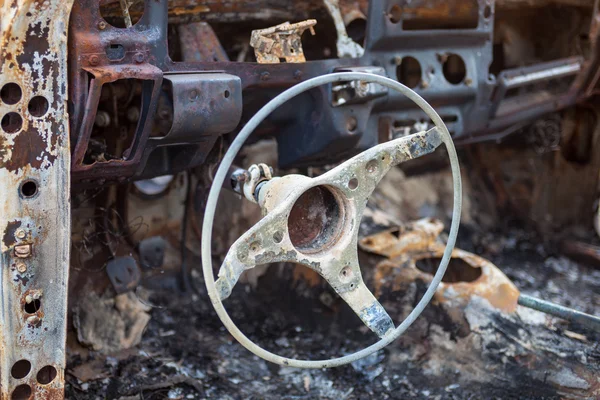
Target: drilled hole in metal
(487,12)
(226,94)
(12,122)
(409,72)
(28,188)
(21,392)
(115,52)
(346,274)
(352,183)
(254,246)
(278,237)
(38,106)
(458,269)
(33,307)
(20,369)
(357,30)
(315,220)
(372,166)
(454,69)
(46,375)
(11,93)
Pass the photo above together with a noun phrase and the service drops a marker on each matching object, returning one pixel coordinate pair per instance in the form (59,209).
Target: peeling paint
(33,55)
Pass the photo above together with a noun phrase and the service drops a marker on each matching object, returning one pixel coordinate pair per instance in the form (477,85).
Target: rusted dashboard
(104,93)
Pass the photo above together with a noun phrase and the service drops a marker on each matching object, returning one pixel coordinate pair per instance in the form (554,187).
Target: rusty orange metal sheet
(468,275)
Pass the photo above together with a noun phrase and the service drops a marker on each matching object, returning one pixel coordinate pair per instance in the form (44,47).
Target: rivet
(101,25)
(20,234)
(94,60)
(265,76)
(33,320)
(21,267)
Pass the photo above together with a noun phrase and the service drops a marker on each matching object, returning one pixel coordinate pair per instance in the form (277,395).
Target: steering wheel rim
(221,175)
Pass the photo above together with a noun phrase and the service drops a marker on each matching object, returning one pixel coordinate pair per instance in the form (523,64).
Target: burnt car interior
(303,199)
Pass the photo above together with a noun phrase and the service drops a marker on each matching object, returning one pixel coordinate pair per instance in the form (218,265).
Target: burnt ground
(186,353)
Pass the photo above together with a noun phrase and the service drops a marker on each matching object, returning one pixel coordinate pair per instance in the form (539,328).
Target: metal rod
(569,314)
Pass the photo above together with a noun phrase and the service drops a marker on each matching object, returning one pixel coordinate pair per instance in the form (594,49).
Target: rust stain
(50,392)
(189,10)
(3,148)
(9,238)
(433,9)
(32,151)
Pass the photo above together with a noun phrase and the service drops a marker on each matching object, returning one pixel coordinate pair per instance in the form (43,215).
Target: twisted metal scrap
(281,41)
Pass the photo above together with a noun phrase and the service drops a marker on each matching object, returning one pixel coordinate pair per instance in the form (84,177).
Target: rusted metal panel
(34,176)
(467,275)
(200,43)
(231,11)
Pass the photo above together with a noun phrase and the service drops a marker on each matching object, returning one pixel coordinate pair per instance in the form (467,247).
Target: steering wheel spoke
(346,279)
(360,175)
(266,242)
(368,309)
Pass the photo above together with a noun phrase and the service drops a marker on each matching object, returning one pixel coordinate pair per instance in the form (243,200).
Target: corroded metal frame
(35,224)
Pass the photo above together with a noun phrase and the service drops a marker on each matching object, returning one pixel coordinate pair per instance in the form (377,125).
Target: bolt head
(20,234)
(101,25)
(33,320)
(23,250)
(139,58)
(21,267)
(94,60)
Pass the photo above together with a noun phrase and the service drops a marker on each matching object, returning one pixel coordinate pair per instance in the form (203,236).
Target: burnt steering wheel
(332,205)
